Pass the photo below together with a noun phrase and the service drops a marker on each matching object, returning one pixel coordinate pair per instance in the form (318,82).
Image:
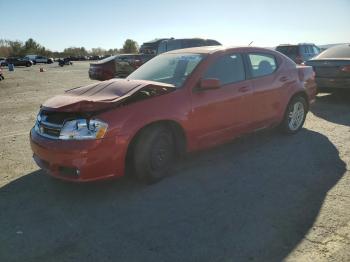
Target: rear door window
(228,69)
(262,64)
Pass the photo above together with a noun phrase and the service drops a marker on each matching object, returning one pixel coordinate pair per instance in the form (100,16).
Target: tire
(28,64)
(295,115)
(154,154)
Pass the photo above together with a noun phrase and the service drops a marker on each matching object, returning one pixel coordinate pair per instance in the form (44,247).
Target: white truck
(39,59)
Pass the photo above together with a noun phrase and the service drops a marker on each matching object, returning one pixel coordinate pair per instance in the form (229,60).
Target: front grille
(50,123)
(50,131)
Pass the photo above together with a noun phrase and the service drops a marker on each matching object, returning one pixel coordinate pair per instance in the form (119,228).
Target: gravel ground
(264,197)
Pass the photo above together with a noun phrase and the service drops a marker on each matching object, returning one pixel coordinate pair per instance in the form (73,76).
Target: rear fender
(307,78)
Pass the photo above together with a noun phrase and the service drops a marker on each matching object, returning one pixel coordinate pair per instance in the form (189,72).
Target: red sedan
(178,102)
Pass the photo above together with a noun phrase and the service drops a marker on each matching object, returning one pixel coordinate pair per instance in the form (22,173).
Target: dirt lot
(265,197)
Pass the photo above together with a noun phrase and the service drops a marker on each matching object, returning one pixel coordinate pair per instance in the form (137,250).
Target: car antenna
(250,43)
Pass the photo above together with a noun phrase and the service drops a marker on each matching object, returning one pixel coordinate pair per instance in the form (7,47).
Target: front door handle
(243,89)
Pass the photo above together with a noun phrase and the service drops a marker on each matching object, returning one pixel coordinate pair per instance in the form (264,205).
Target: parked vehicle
(43,59)
(332,68)
(164,45)
(3,61)
(95,57)
(299,53)
(180,101)
(151,47)
(39,59)
(17,61)
(1,75)
(64,61)
(117,66)
(31,57)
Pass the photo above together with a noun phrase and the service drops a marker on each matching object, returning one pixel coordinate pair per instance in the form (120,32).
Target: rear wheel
(295,115)
(154,154)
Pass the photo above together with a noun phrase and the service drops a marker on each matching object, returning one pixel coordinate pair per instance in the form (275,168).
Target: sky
(107,23)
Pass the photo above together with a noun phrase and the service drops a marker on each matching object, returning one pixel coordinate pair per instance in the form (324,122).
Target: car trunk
(334,68)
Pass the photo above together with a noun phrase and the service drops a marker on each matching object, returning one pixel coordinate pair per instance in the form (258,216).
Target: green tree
(97,51)
(16,48)
(75,51)
(130,46)
(31,44)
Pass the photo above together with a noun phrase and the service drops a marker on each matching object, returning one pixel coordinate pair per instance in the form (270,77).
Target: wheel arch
(176,129)
(304,95)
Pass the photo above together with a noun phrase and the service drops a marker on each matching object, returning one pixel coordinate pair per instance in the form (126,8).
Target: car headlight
(81,129)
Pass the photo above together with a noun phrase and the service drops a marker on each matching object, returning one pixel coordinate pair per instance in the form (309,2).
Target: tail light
(345,69)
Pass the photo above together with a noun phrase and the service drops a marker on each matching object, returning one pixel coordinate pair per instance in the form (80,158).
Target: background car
(151,47)
(94,57)
(39,59)
(17,61)
(117,66)
(299,53)
(332,68)
(3,61)
(167,44)
(42,59)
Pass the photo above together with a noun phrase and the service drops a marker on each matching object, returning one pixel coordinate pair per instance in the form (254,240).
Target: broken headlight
(81,129)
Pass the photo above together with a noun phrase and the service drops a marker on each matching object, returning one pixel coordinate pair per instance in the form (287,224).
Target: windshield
(107,59)
(168,68)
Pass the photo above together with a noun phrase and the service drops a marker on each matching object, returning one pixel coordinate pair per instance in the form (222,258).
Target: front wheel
(154,153)
(295,115)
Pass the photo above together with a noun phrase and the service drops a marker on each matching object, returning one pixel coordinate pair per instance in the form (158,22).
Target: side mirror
(209,83)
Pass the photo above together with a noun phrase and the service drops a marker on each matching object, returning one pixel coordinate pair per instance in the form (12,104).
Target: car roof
(154,41)
(296,44)
(216,48)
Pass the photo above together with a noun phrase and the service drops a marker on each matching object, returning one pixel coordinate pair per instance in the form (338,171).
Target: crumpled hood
(102,95)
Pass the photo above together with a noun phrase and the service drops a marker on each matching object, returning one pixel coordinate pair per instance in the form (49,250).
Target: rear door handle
(283,79)
(243,89)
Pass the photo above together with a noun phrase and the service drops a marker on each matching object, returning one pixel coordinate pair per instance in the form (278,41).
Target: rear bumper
(78,161)
(326,82)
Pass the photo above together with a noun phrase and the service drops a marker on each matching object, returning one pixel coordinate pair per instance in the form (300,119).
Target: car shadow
(251,200)
(333,107)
